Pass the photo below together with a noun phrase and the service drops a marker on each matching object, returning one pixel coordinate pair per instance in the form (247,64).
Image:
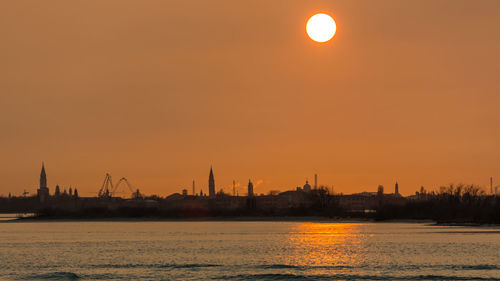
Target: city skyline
(43,191)
(406,91)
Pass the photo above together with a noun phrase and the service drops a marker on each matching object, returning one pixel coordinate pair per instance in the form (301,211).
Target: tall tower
(43,191)
(211,184)
(491,185)
(234,188)
(194,192)
(396,189)
(43,178)
(250,188)
(315,181)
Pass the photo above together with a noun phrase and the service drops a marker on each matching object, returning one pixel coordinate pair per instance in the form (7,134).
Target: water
(246,250)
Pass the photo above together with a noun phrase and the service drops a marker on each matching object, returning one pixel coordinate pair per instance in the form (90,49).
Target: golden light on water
(321,27)
(326,244)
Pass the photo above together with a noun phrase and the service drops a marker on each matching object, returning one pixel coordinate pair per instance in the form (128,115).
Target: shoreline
(304,219)
(206,219)
(219,219)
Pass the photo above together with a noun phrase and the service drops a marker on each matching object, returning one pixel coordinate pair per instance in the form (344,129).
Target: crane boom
(107,187)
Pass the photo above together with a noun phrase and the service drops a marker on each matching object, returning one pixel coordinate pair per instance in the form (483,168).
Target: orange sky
(157,91)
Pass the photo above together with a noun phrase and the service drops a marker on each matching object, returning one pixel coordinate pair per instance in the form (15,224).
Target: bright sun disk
(321,27)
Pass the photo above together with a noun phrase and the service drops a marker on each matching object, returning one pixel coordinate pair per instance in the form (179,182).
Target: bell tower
(211,184)
(43,191)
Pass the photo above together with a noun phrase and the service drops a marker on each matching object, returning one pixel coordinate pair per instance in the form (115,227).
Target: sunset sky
(158,91)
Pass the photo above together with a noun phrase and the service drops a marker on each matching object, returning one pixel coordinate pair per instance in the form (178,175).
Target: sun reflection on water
(326,246)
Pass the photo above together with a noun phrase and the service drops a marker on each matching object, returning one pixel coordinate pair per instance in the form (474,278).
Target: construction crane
(106,188)
(130,187)
(109,190)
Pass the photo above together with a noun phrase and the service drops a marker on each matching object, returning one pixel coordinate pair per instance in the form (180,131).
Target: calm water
(246,250)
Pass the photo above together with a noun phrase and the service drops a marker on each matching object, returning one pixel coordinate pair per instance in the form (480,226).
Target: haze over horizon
(158,91)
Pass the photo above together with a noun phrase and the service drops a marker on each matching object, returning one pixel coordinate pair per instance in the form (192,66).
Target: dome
(307,187)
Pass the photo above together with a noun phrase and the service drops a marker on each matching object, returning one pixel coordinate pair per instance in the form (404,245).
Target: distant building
(396,189)
(380,190)
(380,195)
(184,192)
(250,188)
(43,191)
(307,187)
(315,181)
(211,184)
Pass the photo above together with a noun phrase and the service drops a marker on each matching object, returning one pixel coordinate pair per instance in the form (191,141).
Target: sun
(321,27)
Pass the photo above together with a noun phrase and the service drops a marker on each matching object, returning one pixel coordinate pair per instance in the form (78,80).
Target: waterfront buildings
(298,199)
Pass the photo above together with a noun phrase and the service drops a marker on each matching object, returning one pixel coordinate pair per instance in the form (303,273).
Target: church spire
(43,191)
(43,177)
(211,184)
